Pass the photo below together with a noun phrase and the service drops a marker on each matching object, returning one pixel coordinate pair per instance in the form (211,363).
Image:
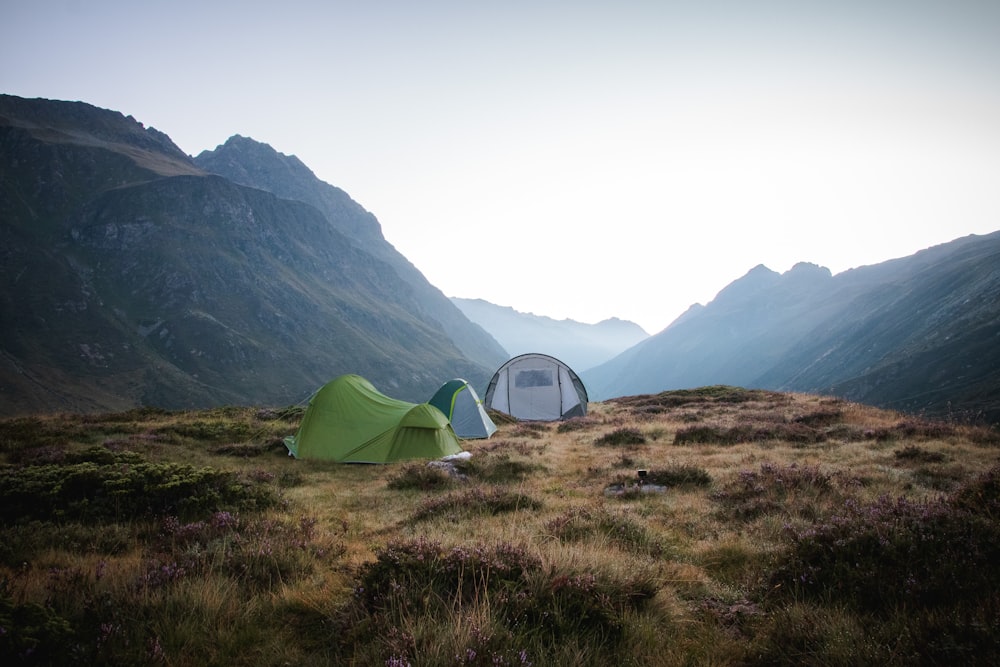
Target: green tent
(350,421)
(462,406)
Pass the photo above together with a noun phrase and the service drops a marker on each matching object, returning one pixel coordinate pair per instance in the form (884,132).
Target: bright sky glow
(579,160)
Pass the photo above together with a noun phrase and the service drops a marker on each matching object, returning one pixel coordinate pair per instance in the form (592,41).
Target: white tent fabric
(537,387)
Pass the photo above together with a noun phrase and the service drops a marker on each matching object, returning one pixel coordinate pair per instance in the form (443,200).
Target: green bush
(121,486)
(23,542)
(34,634)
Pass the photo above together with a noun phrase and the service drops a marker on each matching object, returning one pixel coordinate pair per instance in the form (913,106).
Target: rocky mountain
(919,334)
(130,274)
(580,345)
(257,165)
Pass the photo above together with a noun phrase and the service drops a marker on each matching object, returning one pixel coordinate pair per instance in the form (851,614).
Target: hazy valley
(135,275)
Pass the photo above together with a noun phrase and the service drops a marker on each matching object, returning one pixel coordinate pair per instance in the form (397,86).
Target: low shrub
(413,574)
(534,430)
(919,428)
(918,454)
(619,528)
(219,431)
(984,435)
(632,487)
(707,435)
(421,477)
(911,429)
(679,475)
(24,542)
(34,634)
(724,394)
(980,495)
(518,446)
(518,603)
(247,450)
(715,435)
(942,478)
(895,553)
(474,502)
(847,433)
(496,469)
(820,418)
(774,488)
(121,486)
(576,424)
(803,634)
(260,553)
(917,578)
(621,437)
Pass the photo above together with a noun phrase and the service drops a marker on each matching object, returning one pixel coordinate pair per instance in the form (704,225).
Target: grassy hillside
(770,529)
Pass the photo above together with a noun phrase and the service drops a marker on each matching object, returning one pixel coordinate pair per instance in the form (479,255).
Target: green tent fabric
(462,406)
(350,421)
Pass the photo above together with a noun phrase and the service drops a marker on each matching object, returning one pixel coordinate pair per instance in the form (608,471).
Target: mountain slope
(257,165)
(741,334)
(919,333)
(580,345)
(130,276)
(924,338)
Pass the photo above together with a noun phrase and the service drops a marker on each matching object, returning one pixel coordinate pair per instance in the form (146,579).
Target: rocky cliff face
(132,276)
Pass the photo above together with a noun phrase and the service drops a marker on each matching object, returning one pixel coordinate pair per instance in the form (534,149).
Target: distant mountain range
(132,275)
(919,334)
(580,345)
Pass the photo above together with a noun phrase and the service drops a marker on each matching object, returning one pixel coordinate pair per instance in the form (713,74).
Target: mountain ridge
(873,334)
(578,344)
(287,177)
(132,276)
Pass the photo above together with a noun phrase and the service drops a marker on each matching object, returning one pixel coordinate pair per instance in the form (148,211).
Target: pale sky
(579,160)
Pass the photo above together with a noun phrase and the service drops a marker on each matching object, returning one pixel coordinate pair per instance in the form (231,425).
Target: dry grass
(705,550)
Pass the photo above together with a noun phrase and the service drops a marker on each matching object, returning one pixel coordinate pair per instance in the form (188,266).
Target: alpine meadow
(711,526)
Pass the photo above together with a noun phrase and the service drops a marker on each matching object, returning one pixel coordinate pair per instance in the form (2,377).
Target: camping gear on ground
(537,387)
(350,421)
(464,409)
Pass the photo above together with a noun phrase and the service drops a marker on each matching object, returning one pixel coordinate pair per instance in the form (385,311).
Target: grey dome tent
(462,406)
(537,387)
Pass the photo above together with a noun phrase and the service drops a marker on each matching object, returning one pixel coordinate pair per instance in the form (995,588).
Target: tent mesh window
(533,378)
